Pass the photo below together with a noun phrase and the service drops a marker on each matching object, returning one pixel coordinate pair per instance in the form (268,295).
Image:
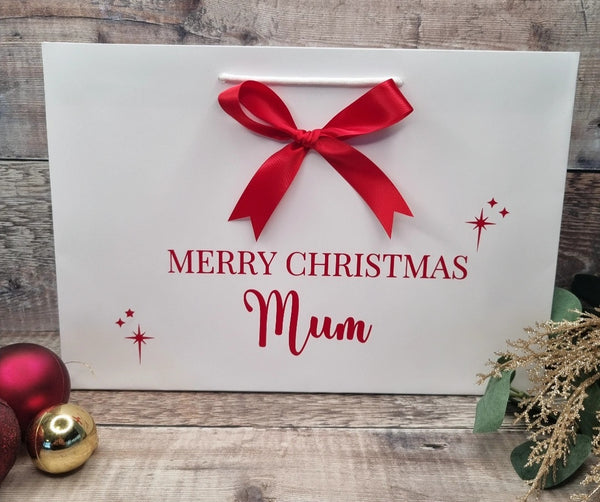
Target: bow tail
(268,186)
(371,183)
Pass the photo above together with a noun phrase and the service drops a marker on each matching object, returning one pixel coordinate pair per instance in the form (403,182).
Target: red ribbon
(380,107)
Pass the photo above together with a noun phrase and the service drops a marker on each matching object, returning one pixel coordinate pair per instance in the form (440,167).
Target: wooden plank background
(261,447)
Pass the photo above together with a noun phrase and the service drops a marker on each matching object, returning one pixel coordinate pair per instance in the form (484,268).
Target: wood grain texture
(234,409)
(27,270)
(284,464)
(556,25)
(579,250)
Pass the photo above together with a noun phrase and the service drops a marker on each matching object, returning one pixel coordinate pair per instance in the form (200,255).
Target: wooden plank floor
(272,447)
(282,447)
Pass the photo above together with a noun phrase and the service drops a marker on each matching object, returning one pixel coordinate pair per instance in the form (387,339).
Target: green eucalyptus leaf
(563,304)
(587,419)
(491,407)
(580,450)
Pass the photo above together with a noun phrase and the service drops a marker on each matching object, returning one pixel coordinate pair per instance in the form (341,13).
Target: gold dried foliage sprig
(562,360)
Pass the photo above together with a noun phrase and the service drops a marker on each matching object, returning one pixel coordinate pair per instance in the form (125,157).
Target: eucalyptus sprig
(561,408)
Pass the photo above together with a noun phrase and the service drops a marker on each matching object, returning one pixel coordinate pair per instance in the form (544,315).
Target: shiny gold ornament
(62,438)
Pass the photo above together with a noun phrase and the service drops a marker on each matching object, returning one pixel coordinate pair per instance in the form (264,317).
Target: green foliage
(580,450)
(565,306)
(491,408)
(548,462)
(591,405)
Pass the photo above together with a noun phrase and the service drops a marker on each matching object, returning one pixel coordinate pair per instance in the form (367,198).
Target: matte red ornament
(32,378)
(10,438)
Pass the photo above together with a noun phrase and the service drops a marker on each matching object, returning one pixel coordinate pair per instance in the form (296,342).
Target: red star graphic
(129,313)
(139,338)
(492,202)
(480,223)
(77,419)
(120,322)
(504,212)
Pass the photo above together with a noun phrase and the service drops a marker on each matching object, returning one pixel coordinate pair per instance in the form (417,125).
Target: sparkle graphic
(129,313)
(120,322)
(480,223)
(139,338)
(504,212)
(492,202)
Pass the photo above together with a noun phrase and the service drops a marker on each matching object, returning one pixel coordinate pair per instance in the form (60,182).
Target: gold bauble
(62,438)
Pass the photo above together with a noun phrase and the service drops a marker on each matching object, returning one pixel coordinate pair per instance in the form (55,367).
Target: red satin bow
(380,107)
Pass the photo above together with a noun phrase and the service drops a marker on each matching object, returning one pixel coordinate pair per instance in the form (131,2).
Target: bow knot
(380,107)
(307,139)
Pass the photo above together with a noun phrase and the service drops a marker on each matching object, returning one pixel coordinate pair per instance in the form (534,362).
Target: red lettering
(267,264)
(392,272)
(203,261)
(225,258)
(280,308)
(246,262)
(288,263)
(289,307)
(314,264)
(374,265)
(415,271)
(462,267)
(440,266)
(358,272)
(187,260)
(342,260)
(342,331)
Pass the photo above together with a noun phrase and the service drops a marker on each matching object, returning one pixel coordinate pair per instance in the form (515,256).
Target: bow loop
(260,109)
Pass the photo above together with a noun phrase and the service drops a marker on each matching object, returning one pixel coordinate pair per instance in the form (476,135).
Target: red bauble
(10,439)
(32,378)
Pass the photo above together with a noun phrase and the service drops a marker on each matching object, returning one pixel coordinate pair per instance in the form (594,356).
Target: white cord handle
(316,81)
